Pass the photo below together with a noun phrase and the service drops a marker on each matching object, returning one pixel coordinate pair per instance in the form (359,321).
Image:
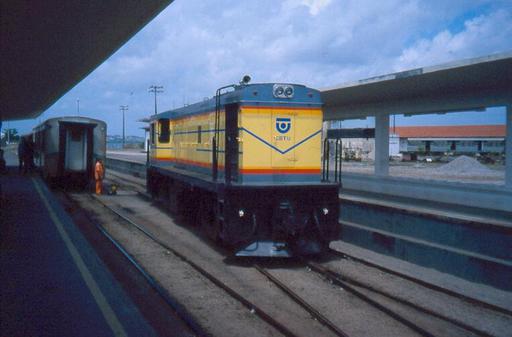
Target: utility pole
(156,89)
(78,106)
(123,108)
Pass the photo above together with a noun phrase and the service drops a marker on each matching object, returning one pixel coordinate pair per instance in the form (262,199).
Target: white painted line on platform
(105,308)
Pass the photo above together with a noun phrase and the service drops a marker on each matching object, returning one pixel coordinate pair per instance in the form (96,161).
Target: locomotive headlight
(283,91)
(241,213)
(325,210)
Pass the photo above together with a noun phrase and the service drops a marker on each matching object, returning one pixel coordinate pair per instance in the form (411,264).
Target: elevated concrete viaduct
(457,228)
(473,84)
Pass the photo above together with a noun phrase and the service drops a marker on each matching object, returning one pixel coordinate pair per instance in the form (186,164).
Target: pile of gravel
(463,165)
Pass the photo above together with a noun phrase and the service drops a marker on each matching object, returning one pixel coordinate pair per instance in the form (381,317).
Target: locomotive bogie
(280,221)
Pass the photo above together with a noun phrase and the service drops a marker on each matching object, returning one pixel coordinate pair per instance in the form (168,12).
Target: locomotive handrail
(215,140)
(327,158)
(336,160)
(325,176)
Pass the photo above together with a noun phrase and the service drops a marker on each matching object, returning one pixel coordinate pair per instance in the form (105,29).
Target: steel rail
(312,311)
(420,282)
(423,283)
(466,298)
(178,308)
(181,312)
(322,270)
(332,274)
(251,306)
(118,180)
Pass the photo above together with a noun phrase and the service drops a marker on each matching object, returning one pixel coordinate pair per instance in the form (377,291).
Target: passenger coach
(66,148)
(246,165)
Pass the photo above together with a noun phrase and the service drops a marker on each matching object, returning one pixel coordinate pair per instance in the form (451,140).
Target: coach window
(199,134)
(164,131)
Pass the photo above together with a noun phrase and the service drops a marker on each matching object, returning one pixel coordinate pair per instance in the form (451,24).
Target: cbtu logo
(283,125)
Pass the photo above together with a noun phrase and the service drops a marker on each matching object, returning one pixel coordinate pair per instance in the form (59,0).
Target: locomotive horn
(246,79)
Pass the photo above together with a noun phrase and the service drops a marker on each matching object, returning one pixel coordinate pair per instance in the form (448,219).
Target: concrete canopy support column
(508,149)
(382,145)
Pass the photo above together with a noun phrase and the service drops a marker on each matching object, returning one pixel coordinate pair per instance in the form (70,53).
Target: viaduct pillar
(508,149)
(382,144)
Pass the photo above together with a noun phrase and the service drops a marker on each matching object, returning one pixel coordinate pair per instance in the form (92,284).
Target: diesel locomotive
(246,166)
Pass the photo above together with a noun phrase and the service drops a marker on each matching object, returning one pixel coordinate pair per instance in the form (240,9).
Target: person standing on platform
(28,162)
(3,167)
(22,147)
(99,175)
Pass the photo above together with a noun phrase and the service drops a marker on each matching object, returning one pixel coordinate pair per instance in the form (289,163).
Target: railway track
(315,313)
(352,286)
(355,287)
(180,311)
(451,293)
(249,304)
(141,191)
(253,308)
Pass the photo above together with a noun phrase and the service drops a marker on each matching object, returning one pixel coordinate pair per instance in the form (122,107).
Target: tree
(10,135)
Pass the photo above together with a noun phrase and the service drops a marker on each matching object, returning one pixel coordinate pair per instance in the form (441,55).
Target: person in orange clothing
(99,174)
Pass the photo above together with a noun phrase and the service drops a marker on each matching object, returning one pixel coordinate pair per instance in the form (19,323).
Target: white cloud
(193,47)
(314,6)
(485,34)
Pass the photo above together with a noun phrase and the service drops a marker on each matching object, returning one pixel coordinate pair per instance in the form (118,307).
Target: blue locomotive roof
(249,94)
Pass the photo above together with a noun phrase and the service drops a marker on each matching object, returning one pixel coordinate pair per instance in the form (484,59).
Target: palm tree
(10,135)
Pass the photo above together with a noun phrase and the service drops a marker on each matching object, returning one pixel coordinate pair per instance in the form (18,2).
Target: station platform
(52,282)
(466,242)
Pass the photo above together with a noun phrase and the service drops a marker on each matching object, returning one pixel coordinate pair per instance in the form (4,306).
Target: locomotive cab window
(165,131)
(152,133)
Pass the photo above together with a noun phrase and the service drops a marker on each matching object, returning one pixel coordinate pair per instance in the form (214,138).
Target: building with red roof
(450,131)
(468,139)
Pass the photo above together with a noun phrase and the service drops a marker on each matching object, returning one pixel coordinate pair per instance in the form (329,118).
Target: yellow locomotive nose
(250,158)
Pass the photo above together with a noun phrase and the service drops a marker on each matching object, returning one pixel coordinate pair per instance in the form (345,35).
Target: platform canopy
(462,85)
(47,47)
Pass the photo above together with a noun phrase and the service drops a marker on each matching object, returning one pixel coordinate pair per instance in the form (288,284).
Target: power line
(156,89)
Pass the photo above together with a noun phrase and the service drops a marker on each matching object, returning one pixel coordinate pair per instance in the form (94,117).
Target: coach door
(231,163)
(76,145)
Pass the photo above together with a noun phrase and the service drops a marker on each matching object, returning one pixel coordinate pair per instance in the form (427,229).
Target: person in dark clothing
(28,161)
(22,145)
(3,168)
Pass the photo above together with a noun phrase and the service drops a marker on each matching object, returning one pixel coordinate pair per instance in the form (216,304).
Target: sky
(194,47)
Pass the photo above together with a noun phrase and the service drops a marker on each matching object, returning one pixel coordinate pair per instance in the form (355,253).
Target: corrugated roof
(450,131)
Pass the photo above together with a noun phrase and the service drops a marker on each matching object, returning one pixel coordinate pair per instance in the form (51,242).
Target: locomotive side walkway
(52,281)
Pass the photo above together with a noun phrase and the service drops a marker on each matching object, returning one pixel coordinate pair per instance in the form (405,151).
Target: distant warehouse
(457,139)
(413,142)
